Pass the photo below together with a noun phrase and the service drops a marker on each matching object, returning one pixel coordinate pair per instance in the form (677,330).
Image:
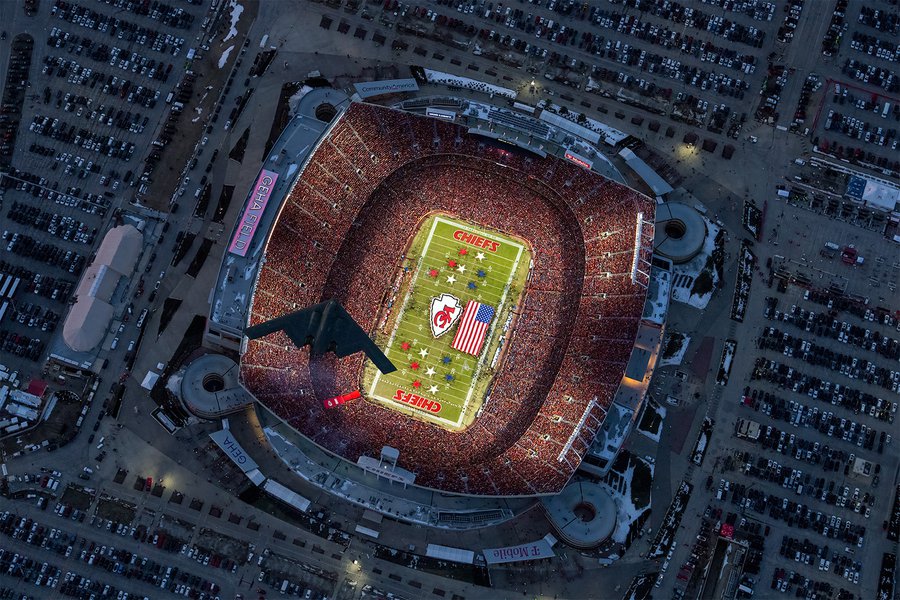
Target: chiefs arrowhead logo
(445,311)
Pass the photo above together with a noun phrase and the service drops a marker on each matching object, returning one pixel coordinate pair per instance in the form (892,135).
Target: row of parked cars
(134,566)
(62,226)
(129,32)
(116,57)
(826,422)
(806,552)
(828,324)
(787,377)
(118,87)
(14,92)
(51,254)
(797,514)
(803,484)
(785,580)
(38,283)
(21,345)
(164,13)
(62,131)
(33,315)
(42,189)
(848,365)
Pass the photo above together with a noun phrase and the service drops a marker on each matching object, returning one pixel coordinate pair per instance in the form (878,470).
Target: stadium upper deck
(367,183)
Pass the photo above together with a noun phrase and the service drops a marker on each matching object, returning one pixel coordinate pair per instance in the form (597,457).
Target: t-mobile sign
(253,212)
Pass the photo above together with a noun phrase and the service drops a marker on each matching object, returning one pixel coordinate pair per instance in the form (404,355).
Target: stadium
(506,286)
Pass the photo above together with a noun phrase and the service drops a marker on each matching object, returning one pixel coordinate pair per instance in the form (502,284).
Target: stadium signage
(417,401)
(445,312)
(579,160)
(234,450)
(475,240)
(253,212)
(531,551)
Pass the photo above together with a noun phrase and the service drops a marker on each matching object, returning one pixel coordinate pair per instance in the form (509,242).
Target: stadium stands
(341,234)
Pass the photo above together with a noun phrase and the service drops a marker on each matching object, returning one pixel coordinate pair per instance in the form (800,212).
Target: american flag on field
(473,327)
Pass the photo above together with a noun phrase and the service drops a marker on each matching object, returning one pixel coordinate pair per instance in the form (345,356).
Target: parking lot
(699,65)
(855,114)
(95,87)
(812,440)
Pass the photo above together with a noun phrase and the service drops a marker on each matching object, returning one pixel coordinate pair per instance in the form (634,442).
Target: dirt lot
(76,497)
(211,79)
(115,510)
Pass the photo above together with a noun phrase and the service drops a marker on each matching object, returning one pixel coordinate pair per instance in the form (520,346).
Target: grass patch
(76,497)
(703,284)
(651,420)
(117,511)
(641,484)
(673,344)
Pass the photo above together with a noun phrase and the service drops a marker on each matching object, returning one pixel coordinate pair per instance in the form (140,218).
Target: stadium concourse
(341,234)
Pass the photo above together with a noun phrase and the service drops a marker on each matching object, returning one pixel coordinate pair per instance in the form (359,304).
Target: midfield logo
(445,311)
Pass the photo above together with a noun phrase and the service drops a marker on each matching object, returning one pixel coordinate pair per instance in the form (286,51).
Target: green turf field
(430,372)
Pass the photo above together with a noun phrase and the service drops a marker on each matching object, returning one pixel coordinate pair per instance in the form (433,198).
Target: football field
(451,263)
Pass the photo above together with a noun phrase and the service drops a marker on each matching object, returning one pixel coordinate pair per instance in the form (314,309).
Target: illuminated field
(435,381)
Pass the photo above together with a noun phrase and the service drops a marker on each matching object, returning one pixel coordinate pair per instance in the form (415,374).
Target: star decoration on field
(446,360)
(463,251)
(461,268)
(417,384)
(451,279)
(433,273)
(451,263)
(472,285)
(479,256)
(448,377)
(429,371)
(423,352)
(414,366)
(404,346)
(481,273)
(433,389)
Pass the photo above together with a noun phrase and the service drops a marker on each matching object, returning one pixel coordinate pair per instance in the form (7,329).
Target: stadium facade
(335,224)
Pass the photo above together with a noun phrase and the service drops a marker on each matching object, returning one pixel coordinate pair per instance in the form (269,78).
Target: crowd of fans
(341,235)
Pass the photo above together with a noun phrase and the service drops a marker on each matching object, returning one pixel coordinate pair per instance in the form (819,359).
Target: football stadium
(505,285)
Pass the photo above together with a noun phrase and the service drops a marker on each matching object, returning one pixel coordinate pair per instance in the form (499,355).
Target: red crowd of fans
(341,235)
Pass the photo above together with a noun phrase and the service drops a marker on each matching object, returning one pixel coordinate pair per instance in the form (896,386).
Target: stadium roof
(120,248)
(86,324)
(873,193)
(286,495)
(637,364)
(657,184)
(582,530)
(90,316)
